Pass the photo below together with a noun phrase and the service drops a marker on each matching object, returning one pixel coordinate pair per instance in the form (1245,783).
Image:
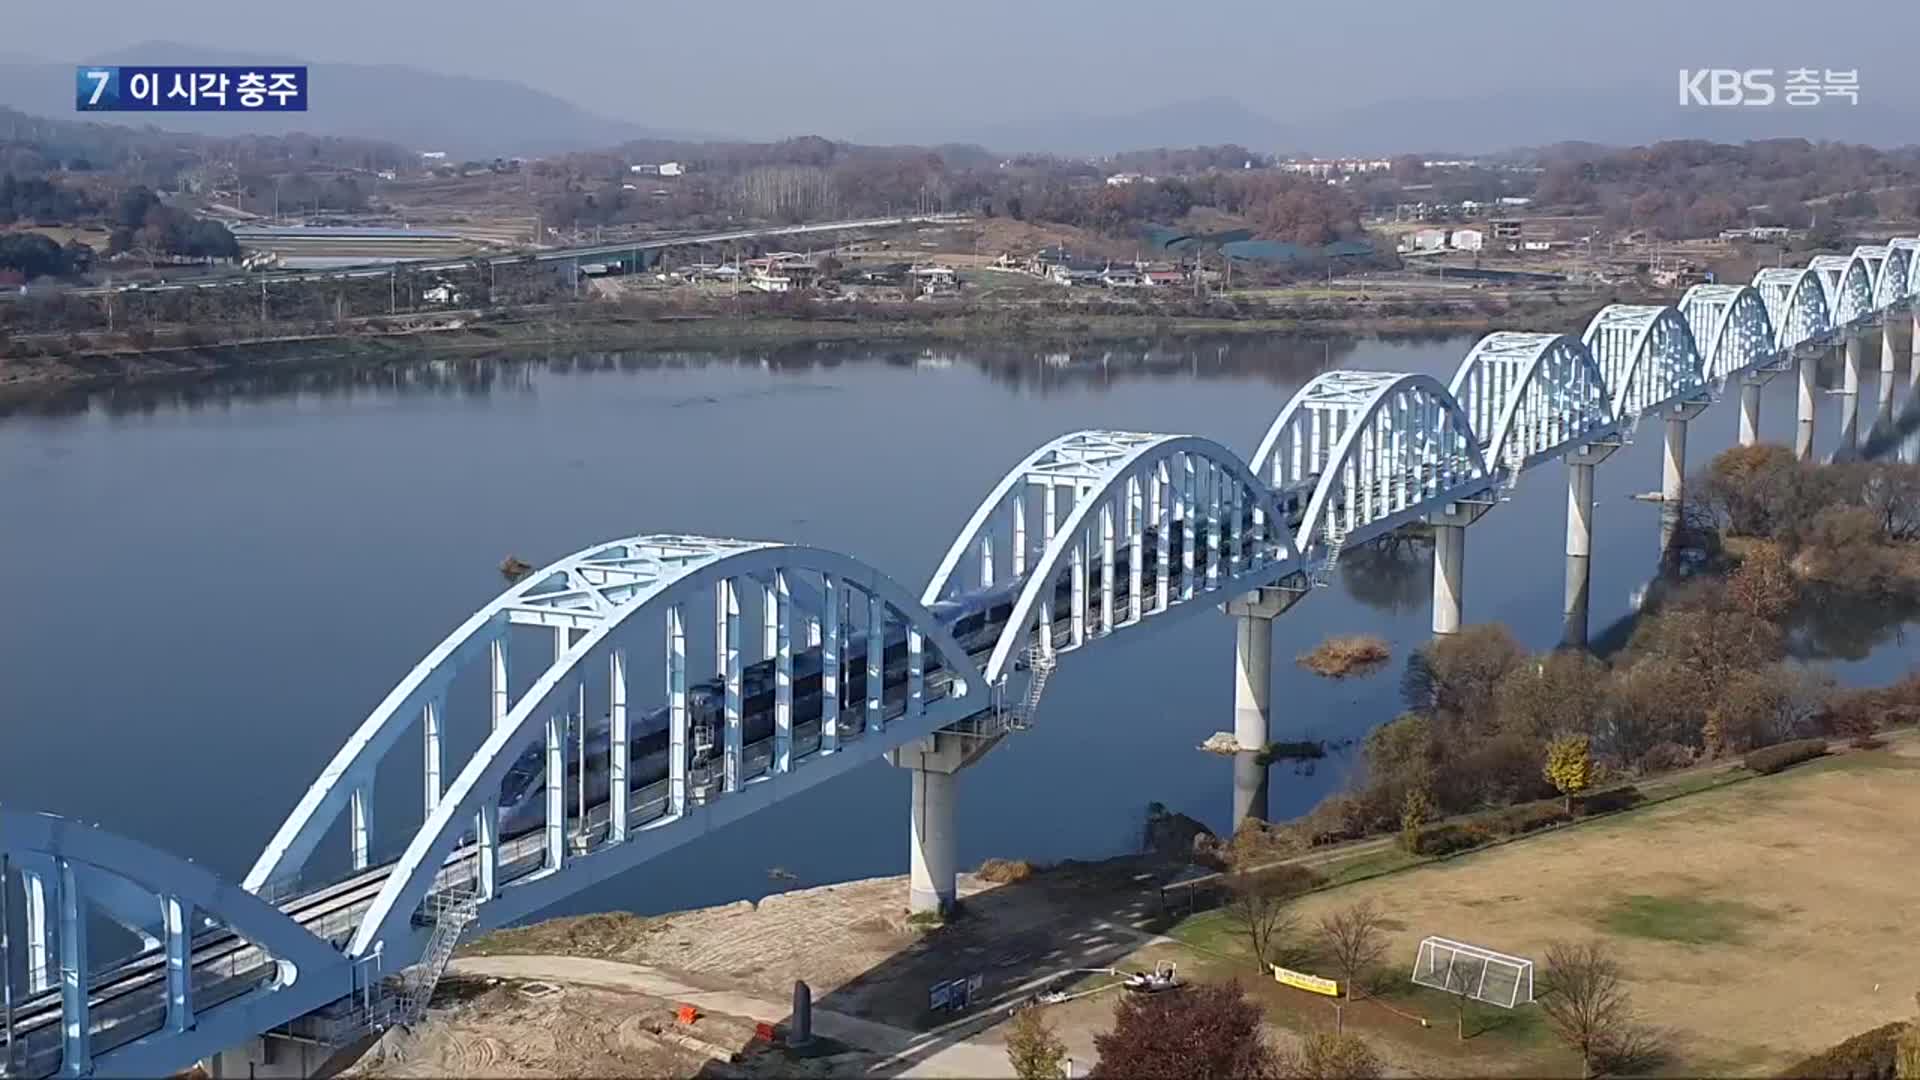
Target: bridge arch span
(1132,494)
(1648,356)
(666,574)
(1531,396)
(1900,276)
(1797,303)
(1731,327)
(1379,448)
(1847,283)
(305,971)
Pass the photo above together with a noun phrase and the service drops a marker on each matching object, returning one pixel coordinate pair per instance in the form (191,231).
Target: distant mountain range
(1473,126)
(481,118)
(466,117)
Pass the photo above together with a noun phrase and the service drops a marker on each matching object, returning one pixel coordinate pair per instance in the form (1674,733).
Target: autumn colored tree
(1206,1030)
(1906,1051)
(1763,585)
(1563,692)
(1570,765)
(1355,939)
(1034,1048)
(1326,1055)
(1458,672)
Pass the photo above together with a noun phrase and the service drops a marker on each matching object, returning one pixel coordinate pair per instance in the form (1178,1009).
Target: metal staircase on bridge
(452,910)
(1321,571)
(1040,665)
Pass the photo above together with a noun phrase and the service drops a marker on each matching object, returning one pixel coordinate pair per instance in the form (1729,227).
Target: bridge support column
(1580,540)
(1913,355)
(1850,396)
(1253,614)
(1749,412)
(1673,480)
(1807,367)
(935,763)
(1884,414)
(1449,572)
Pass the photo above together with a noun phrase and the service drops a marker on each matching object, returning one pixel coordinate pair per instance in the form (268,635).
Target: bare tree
(1260,906)
(1459,985)
(1355,939)
(1584,1000)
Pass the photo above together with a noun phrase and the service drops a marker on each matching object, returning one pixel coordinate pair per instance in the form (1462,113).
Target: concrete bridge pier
(1580,539)
(1884,415)
(935,762)
(1750,412)
(1673,484)
(1850,396)
(1450,563)
(1253,614)
(1807,366)
(1913,356)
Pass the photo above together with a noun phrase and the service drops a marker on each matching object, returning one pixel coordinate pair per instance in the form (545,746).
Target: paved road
(909,1053)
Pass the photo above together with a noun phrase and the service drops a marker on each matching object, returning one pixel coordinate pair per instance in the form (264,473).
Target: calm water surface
(210,586)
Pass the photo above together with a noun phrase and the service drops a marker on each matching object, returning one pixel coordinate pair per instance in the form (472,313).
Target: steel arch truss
(1377,450)
(1885,273)
(1647,355)
(1531,397)
(1797,304)
(1900,277)
(1069,467)
(271,969)
(1133,527)
(924,682)
(1847,282)
(1731,328)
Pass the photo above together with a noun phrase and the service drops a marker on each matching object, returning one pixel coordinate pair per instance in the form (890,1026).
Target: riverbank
(68,365)
(1774,864)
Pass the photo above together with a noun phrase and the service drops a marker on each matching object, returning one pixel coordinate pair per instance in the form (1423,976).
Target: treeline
(38,201)
(813,178)
(1706,675)
(39,146)
(1690,188)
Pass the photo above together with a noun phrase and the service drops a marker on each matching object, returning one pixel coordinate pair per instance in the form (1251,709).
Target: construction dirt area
(1756,922)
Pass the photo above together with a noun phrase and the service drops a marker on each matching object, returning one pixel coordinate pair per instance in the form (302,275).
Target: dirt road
(905,1053)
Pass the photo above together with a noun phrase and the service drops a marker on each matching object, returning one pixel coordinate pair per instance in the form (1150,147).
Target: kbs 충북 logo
(275,88)
(1757,87)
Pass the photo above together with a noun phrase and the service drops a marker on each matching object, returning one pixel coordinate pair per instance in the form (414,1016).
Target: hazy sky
(852,68)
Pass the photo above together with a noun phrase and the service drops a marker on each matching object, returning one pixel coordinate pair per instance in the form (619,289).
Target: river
(210,584)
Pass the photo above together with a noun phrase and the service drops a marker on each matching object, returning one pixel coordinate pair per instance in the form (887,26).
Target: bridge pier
(1807,367)
(1673,483)
(1580,540)
(265,1056)
(1884,415)
(1253,614)
(1850,395)
(932,842)
(1750,412)
(1450,563)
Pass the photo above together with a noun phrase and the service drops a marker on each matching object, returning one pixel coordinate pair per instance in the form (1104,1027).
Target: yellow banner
(1301,980)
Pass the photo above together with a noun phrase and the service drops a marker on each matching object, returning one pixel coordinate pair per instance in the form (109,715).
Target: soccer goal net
(1481,974)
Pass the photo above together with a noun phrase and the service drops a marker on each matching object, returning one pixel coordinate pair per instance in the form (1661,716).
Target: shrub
(1867,1056)
(1771,759)
(1525,818)
(1004,871)
(1442,839)
(1347,654)
(1609,801)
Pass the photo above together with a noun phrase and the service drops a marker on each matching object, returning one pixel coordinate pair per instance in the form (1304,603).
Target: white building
(433,155)
(1468,239)
(670,168)
(1429,239)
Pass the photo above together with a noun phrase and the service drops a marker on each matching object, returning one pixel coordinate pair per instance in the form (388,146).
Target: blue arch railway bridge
(645,691)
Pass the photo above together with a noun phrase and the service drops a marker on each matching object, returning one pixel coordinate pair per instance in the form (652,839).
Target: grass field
(1756,922)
